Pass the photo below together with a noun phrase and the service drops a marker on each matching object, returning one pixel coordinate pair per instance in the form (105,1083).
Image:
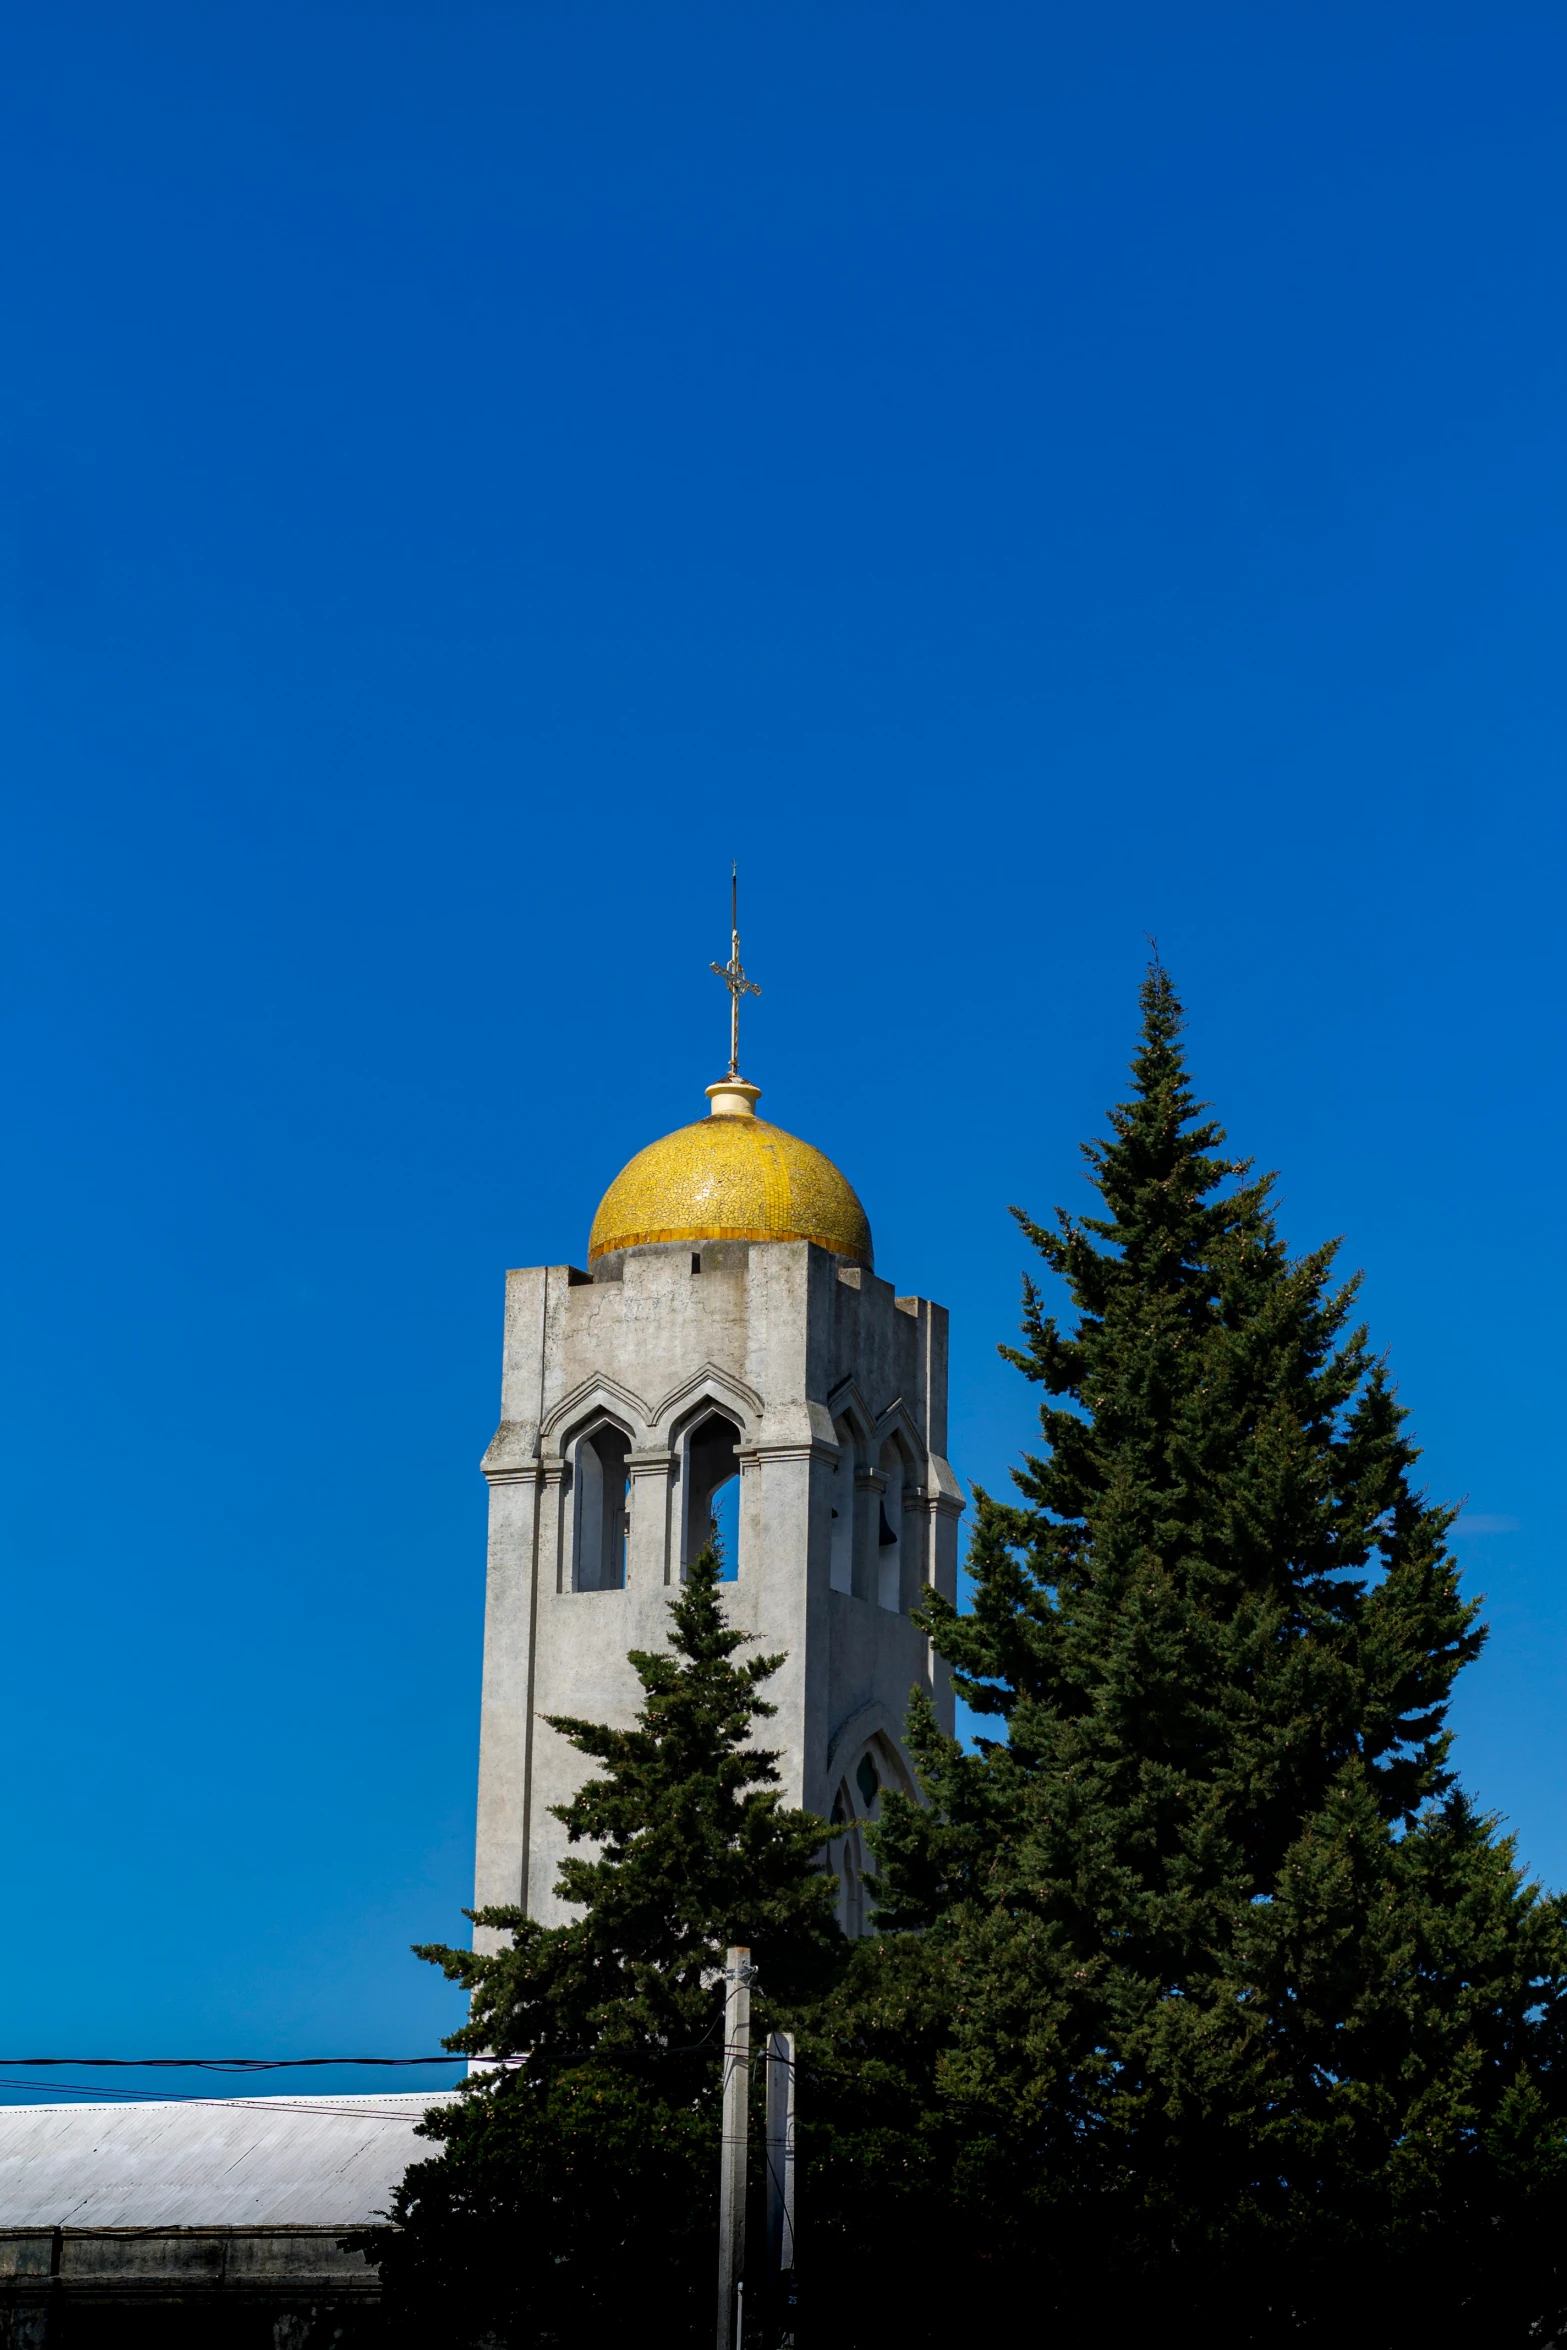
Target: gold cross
(733,975)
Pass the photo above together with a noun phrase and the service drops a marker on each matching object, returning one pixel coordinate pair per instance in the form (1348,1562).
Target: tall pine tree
(1226,2008)
(575,2196)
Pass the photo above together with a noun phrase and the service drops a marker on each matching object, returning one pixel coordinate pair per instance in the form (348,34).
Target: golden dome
(731,1176)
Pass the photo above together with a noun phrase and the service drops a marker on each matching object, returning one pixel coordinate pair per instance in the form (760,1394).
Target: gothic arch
(707,1469)
(707,1387)
(855,1434)
(867,1723)
(897,1422)
(845,1402)
(606,1397)
(898,1551)
(865,1763)
(598,1498)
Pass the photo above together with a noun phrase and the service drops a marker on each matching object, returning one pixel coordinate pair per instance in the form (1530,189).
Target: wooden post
(731,2170)
(780,2185)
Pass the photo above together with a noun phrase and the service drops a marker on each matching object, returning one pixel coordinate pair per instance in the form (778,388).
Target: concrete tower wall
(836,1393)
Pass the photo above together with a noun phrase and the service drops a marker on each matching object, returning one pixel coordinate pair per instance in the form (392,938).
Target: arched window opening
(726,1527)
(712,1492)
(848,1864)
(857,1802)
(603,1487)
(889,1548)
(840,1571)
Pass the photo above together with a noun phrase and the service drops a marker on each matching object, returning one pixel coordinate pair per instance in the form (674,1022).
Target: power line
(275,2064)
(245,2066)
(220,2064)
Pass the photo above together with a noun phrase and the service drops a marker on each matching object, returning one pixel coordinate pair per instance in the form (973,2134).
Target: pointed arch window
(840,1569)
(857,1803)
(889,1544)
(602,1483)
(710,1474)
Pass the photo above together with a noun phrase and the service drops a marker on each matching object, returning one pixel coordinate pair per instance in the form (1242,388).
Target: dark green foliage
(1228,2012)
(575,2198)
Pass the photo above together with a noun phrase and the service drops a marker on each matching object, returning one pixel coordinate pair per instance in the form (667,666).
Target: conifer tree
(575,2195)
(1227,2008)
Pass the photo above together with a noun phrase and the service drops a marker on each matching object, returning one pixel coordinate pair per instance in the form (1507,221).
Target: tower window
(712,1482)
(840,1561)
(889,1546)
(726,1528)
(856,1802)
(603,1485)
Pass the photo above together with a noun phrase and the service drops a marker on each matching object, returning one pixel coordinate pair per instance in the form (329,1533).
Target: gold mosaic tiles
(731,1179)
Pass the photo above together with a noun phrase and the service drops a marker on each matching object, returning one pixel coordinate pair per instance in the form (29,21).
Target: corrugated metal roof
(249,2162)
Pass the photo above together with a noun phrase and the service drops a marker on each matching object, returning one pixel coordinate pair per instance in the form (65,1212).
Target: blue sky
(1019,478)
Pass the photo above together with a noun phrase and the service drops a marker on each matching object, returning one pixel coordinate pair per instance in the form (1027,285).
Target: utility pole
(731,2171)
(780,2186)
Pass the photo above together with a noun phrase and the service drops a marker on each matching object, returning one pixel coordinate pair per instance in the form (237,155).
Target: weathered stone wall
(837,1390)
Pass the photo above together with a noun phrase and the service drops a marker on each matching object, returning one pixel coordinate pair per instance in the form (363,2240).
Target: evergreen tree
(575,2196)
(1227,2007)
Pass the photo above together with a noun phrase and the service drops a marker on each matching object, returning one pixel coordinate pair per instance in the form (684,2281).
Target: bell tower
(728,1342)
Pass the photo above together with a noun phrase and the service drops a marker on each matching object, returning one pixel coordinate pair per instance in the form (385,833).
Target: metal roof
(241,2162)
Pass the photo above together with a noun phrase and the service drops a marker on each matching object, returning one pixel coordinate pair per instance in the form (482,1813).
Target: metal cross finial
(732,973)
